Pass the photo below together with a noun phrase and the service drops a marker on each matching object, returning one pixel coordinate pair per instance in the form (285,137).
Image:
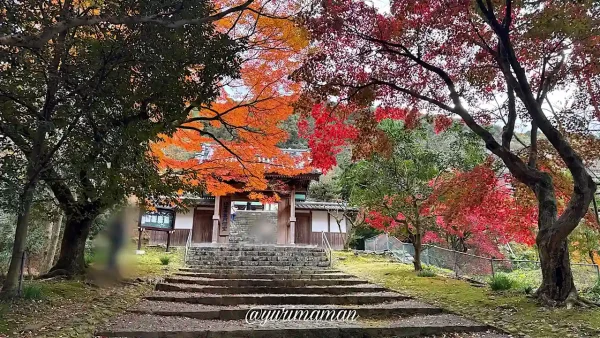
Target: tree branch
(48,33)
(509,129)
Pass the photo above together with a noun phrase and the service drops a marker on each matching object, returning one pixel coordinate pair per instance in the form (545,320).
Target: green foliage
(117,89)
(294,140)
(89,257)
(584,243)
(32,292)
(164,260)
(359,234)
(400,182)
(324,191)
(7,232)
(596,288)
(42,212)
(426,273)
(500,282)
(593,293)
(523,252)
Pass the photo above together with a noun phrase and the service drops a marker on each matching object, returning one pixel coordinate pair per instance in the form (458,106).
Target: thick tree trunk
(418,248)
(557,277)
(9,288)
(71,260)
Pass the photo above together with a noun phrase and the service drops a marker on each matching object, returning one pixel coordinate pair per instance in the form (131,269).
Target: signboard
(225,215)
(160,219)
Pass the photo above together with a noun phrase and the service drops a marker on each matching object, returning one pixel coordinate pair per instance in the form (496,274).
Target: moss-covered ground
(510,310)
(74,308)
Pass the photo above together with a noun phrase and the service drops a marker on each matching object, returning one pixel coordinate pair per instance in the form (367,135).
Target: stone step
(331,290)
(263,276)
(276,258)
(274,268)
(256,253)
(151,326)
(276,299)
(246,247)
(264,282)
(208,312)
(260,270)
(263,263)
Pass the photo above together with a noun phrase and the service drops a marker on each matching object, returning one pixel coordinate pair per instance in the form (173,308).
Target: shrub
(596,288)
(89,258)
(426,273)
(31,292)
(164,260)
(501,281)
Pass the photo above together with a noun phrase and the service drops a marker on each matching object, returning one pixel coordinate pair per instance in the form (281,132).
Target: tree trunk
(71,260)
(557,277)
(52,243)
(9,288)
(418,247)
(592,257)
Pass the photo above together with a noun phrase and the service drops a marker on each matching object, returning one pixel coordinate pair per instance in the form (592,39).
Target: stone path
(213,300)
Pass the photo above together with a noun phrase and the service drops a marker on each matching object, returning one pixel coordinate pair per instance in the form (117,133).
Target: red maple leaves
(479,208)
(329,134)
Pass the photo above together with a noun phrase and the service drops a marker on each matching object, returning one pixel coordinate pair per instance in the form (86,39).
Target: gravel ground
(150,323)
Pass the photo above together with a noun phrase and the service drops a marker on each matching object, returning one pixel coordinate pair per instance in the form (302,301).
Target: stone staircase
(250,256)
(213,297)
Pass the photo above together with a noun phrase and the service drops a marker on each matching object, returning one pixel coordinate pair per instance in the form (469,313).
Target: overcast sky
(383,5)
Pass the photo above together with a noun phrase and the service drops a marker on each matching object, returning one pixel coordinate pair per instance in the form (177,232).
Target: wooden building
(291,221)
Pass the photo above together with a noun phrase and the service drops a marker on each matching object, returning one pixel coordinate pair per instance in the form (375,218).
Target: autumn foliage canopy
(239,132)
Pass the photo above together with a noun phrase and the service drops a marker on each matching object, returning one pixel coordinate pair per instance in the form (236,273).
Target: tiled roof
(208,150)
(200,200)
(323,205)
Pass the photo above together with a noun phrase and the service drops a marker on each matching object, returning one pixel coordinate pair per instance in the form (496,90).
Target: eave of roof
(323,206)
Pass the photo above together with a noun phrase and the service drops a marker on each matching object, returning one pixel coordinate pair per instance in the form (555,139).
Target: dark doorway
(202,227)
(303,229)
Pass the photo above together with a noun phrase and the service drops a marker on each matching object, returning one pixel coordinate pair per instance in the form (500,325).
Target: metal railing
(479,268)
(188,243)
(327,246)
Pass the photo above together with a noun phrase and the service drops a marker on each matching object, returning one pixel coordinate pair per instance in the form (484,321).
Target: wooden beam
(215,219)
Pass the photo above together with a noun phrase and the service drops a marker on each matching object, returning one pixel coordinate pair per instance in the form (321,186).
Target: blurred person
(233,213)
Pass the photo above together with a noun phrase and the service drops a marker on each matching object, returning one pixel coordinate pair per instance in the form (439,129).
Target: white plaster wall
(184,220)
(334,225)
(319,221)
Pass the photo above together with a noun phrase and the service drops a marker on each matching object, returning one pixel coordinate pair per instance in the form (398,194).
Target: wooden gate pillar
(215,219)
(292,231)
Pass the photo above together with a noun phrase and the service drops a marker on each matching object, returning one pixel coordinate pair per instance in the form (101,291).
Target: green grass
(164,260)
(510,310)
(32,292)
(501,282)
(151,264)
(426,273)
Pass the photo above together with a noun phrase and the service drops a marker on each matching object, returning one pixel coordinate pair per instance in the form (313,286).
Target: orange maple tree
(238,133)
